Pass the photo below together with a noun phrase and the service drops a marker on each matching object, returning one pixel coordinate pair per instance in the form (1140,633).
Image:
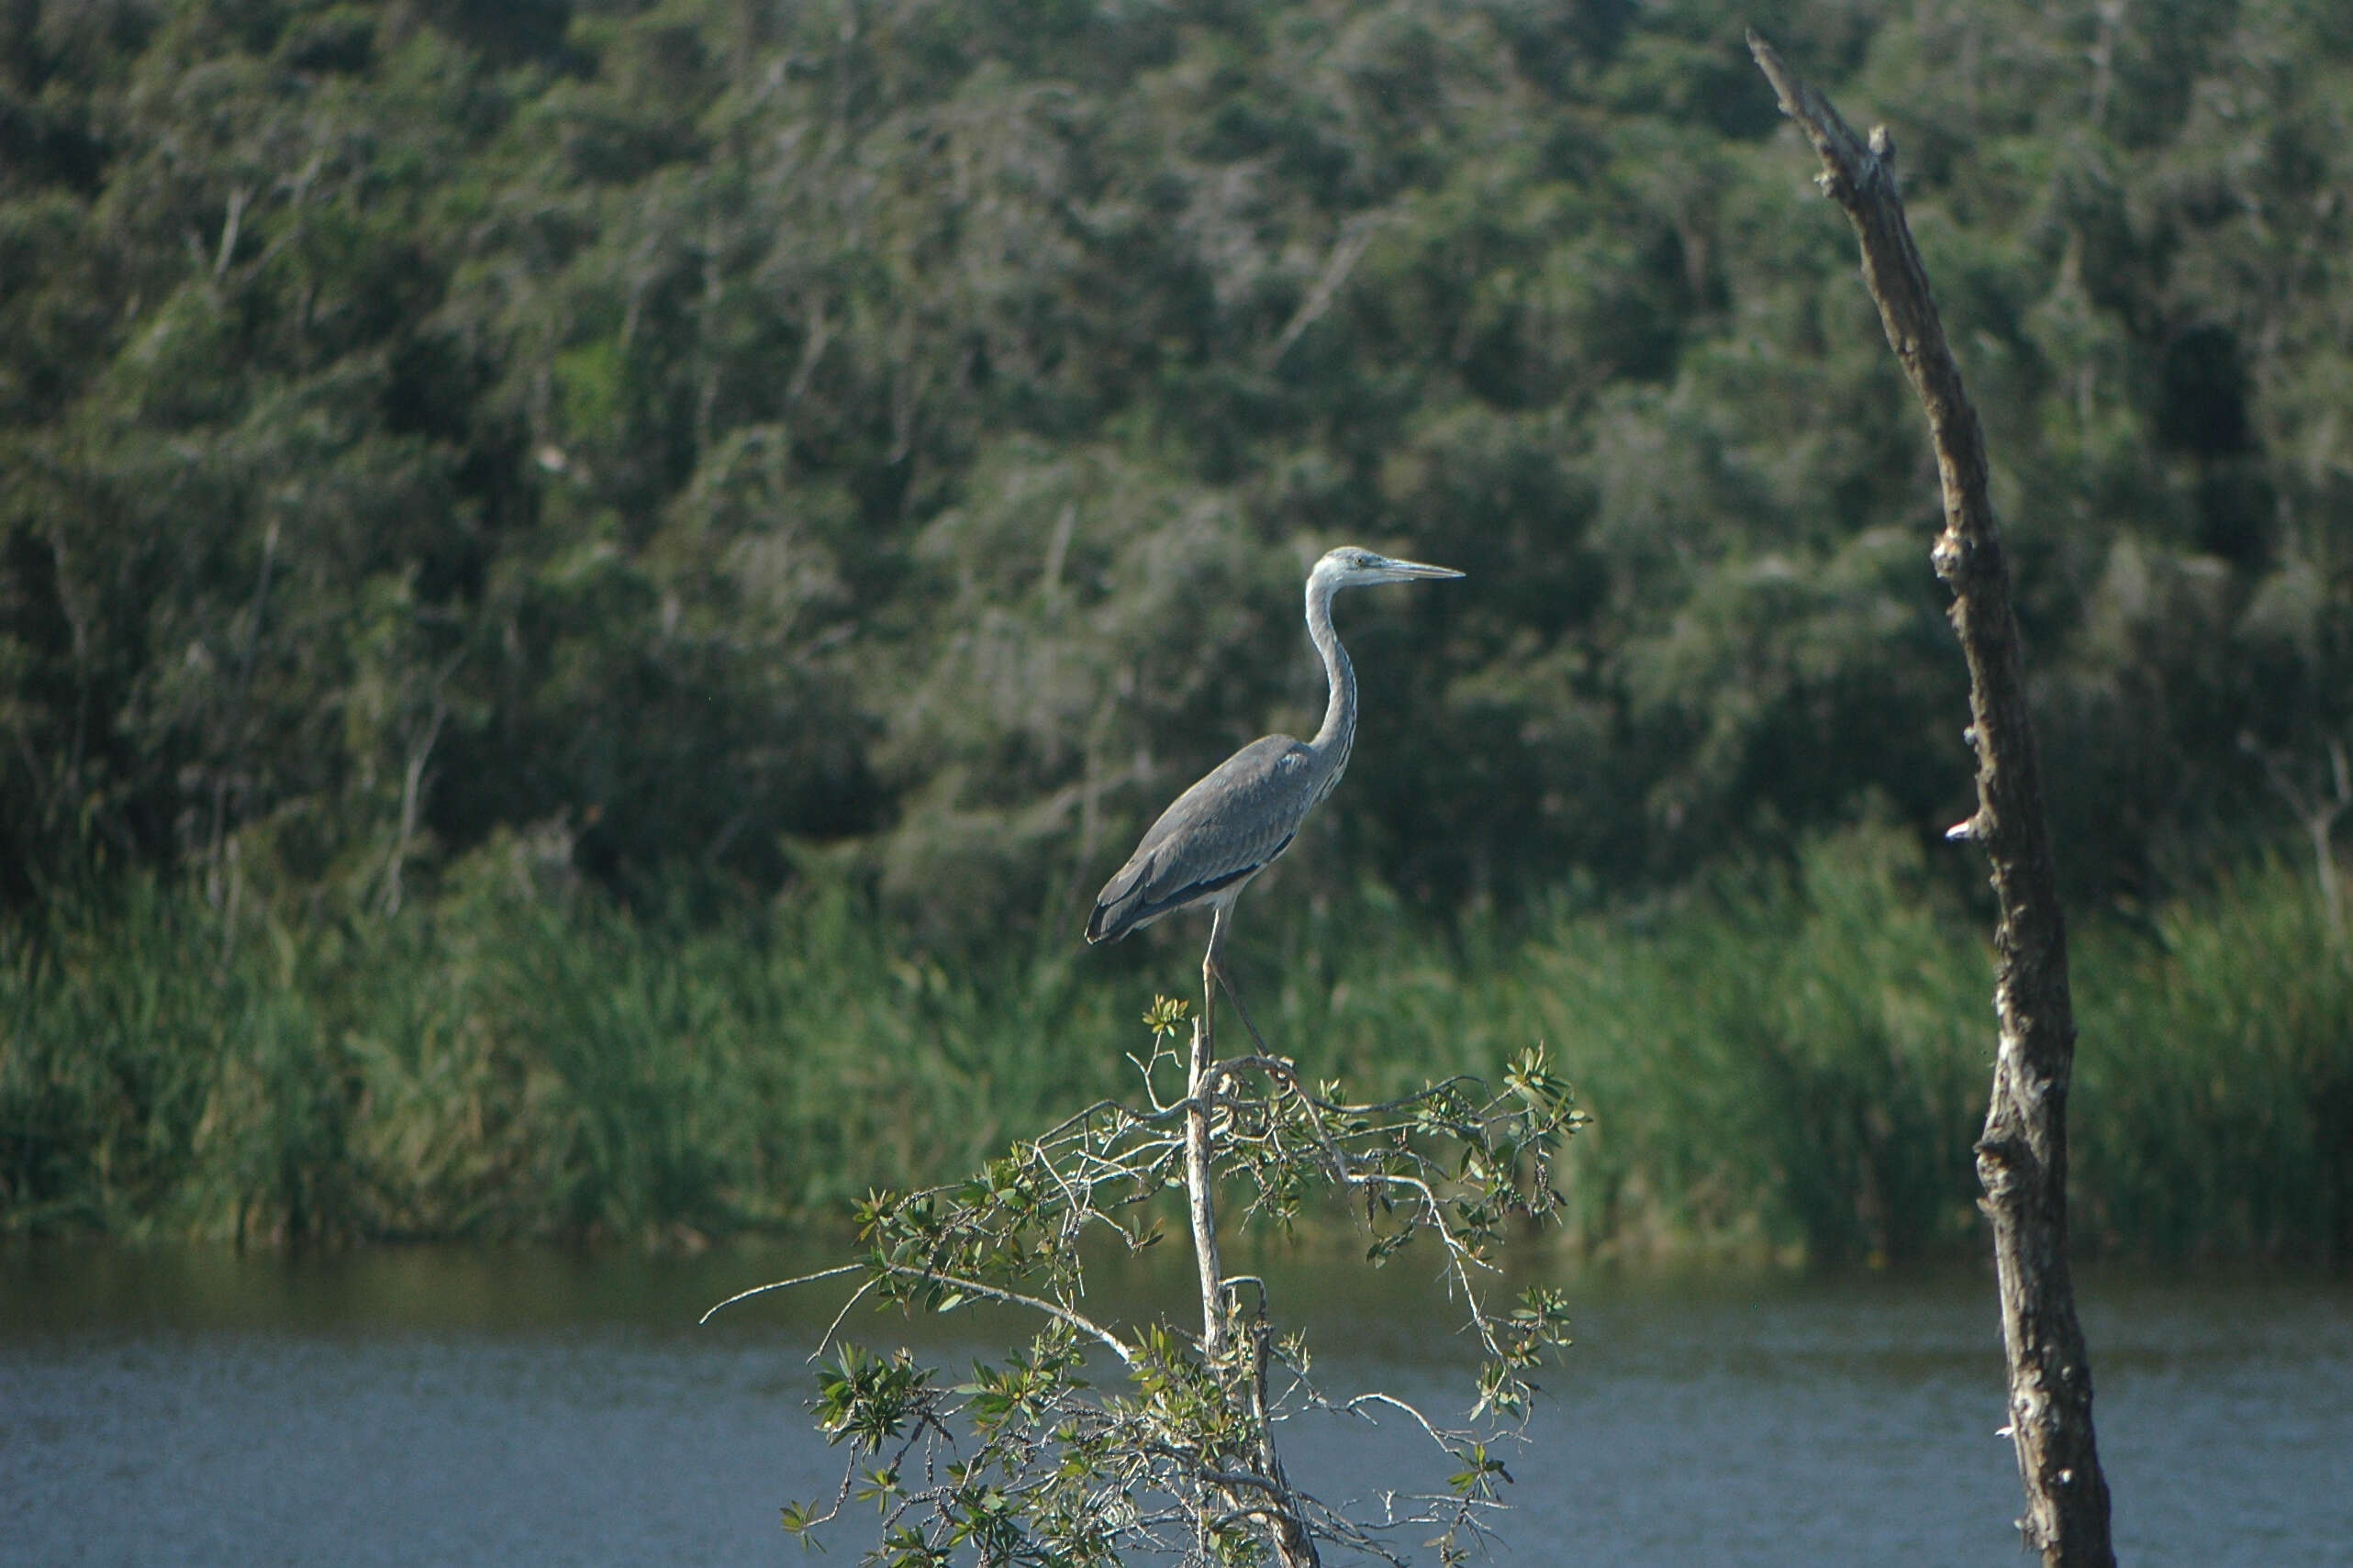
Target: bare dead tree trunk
(2022,1158)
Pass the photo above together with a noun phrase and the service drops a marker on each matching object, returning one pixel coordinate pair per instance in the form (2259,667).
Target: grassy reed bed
(1792,1060)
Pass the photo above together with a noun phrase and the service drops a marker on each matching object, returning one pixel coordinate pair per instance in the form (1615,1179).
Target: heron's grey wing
(1227,826)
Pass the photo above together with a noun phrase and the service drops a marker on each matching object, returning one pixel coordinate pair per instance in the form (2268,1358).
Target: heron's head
(1350,567)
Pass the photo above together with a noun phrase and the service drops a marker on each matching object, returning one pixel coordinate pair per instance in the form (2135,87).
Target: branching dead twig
(2317,812)
(2022,1158)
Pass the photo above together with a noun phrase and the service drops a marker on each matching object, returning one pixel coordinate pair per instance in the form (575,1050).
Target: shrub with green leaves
(1099,1438)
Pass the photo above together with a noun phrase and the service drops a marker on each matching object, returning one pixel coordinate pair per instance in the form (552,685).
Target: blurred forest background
(589,590)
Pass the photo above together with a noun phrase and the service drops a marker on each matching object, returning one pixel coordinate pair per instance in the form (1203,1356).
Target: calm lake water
(429,1407)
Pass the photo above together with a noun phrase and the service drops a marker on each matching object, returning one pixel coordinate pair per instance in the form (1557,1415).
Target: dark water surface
(431,1406)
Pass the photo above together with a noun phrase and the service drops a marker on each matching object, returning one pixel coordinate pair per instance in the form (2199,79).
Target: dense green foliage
(817,476)
(712,430)
(1783,1059)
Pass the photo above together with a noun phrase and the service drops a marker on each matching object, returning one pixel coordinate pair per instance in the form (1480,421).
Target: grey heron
(1243,814)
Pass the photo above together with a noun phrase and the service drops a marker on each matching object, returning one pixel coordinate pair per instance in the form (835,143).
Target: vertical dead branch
(1280,1512)
(707,333)
(2317,812)
(413,781)
(1200,1083)
(2022,1158)
(230,224)
(1293,1547)
(233,730)
(1201,1200)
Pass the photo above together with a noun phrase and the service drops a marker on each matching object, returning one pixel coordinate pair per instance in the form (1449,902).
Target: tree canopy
(721,438)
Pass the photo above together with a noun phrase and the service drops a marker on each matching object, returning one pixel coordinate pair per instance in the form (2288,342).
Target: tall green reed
(1795,1058)
(1782,1057)
(506,1064)
(1788,1058)
(2214,1077)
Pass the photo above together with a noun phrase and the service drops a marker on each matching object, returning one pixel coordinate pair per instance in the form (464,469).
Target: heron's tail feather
(1130,900)
(1119,905)
(1105,924)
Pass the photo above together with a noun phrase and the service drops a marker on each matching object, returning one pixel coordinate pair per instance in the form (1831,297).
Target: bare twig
(1355,238)
(780,1284)
(412,779)
(1052,1309)
(2317,812)
(835,1326)
(975,1288)
(230,224)
(2022,1158)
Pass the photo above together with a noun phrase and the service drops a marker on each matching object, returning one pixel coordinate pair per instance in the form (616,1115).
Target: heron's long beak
(1407,571)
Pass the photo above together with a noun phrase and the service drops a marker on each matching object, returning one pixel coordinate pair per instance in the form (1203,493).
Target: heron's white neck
(1332,741)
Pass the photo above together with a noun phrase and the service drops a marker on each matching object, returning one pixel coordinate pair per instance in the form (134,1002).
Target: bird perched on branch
(1234,823)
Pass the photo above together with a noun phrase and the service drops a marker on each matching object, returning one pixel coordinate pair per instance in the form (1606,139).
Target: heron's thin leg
(1225,979)
(1213,967)
(1209,974)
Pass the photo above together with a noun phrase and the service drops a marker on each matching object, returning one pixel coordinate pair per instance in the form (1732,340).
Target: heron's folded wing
(1226,827)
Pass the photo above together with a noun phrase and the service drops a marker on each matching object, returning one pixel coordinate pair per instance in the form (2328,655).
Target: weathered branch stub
(2022,1158)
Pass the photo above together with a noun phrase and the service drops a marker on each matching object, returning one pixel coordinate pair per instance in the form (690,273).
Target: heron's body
(1236,821)
(1215,838)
